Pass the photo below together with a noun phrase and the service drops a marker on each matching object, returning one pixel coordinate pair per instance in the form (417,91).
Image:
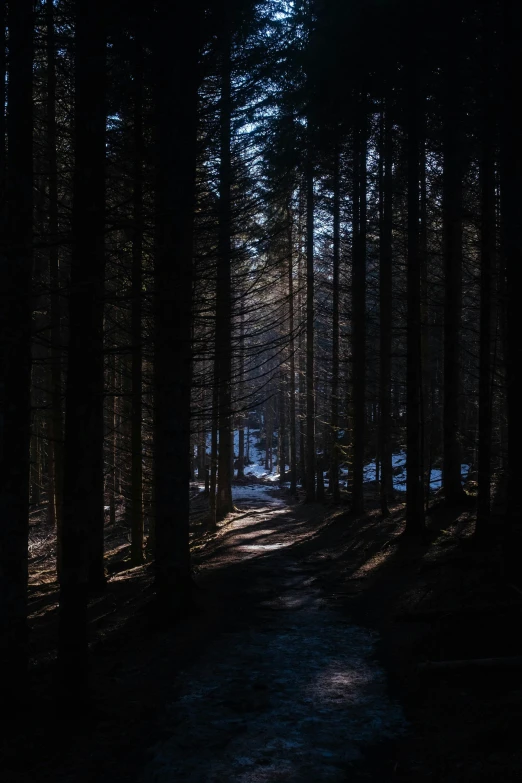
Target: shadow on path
(291,691)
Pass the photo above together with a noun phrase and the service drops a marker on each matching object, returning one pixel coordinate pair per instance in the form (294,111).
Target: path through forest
(292,690)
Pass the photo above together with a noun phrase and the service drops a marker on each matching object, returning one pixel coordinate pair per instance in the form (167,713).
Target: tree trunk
(177,81)
(293,422)
(270,436)
(136,368)
(452,230)
(241,434)
(359,308)
(83,513)
(214,448)
(56,417)
(414,483)
(385,307)
(487,263)
(302,367)
(511,190)
(224,503)
(426,434)
(281,436)
(34,493)
(3,84)
(15,359)
(111,462)
(310,390)
(266,423)
(334,471)
(320,496)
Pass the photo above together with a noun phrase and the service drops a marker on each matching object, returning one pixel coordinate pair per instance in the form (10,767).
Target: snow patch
(399,477)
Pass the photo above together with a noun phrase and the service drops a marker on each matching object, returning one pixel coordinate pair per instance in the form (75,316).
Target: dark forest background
(300,220)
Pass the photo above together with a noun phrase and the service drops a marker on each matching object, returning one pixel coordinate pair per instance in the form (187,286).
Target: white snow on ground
(257,457)
(399,478)
(257,468)
(254,495)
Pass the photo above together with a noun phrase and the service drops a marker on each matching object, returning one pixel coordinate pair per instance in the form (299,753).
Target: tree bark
(3,84)
(281,435)
(136,367)
(16,264)
(241,433)
(487,264)
(177,81)
(56,416)
(291,326)
(452,231)
(426,434)
(359,309)
(511,199)
(302,356)
(224,503)
(214,448)
(111,461)
(385,308)
(83,512)
(334,471)
(414,484)
(310,390)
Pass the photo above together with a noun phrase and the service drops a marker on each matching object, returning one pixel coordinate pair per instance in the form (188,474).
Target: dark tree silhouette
(223,291)
(82,565)
(16,265)
(360,147)
(453,173)
(176,53)
(414,480)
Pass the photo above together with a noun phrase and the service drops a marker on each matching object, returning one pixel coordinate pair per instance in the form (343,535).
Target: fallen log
(512,662)
(433,614)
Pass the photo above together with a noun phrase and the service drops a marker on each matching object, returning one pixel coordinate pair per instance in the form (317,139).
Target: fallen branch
(512,662)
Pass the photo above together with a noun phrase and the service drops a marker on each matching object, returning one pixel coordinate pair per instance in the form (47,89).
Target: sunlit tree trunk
(291,326)
(281,438)
(224,503)
(242,415)
(56,417)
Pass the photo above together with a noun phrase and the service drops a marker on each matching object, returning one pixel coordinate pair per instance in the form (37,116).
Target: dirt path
(291,691)
(276,677)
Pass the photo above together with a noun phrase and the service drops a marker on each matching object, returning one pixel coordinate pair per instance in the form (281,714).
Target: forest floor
(301,663)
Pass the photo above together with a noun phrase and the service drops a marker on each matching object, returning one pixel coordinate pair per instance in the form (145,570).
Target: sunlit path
(294,693)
